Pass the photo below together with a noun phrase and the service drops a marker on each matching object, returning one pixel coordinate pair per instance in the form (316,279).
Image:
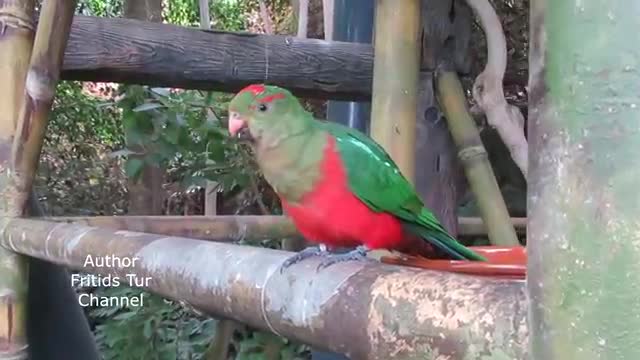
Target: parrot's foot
(359,254)
(320,250)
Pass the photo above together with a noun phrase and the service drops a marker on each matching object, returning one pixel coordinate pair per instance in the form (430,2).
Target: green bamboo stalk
(474,158)
(395,80)
(16,40)
(584,138)
(42,78)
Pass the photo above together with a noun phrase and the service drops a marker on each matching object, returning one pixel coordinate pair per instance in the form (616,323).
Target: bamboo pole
(22,132)
(355,308)
(44,72)
(584,249)
(16,40)
(474,158)
(227,228)
(395,80)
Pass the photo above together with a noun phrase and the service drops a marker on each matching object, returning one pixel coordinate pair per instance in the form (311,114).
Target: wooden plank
(133,51)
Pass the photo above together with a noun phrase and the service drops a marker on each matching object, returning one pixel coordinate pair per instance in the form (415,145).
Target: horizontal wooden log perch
(227,228)
(366,310)
(137,52)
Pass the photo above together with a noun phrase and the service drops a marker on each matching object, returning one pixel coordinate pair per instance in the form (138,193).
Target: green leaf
(172,133)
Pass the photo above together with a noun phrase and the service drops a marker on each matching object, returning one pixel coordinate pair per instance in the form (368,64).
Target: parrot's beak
(236,123)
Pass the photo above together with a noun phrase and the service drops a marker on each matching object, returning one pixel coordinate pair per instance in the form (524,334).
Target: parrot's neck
(292,164)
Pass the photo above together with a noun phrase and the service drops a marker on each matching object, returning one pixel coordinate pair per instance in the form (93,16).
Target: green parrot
(339,187)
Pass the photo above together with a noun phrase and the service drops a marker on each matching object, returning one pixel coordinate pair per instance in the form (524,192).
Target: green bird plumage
(339,186)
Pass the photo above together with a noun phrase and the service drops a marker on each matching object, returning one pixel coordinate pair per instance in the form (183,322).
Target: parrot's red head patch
(255,89)
(259,89)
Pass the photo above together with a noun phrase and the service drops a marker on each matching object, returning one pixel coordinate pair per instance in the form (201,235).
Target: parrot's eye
(262,107)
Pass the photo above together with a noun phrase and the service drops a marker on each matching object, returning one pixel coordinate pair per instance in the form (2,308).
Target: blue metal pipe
(352,22)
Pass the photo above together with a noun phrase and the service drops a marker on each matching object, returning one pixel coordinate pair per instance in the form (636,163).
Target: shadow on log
(365,310)
(138,52)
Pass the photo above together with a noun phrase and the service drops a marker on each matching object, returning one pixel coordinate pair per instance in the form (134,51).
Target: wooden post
(146,195)
(583,202)
(395,80)
(30,70)
(16,37)
(219,347)
(437,169)
(439,177)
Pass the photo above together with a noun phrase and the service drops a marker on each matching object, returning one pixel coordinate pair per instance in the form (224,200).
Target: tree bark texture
(584,233)
(17,31)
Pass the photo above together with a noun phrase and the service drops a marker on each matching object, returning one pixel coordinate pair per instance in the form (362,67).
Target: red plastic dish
(503,262)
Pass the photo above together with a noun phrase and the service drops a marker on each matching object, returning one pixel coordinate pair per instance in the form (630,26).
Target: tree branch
(488,91)
(365,310)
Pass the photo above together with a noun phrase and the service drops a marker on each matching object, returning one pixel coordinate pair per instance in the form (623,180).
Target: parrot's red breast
(333,215)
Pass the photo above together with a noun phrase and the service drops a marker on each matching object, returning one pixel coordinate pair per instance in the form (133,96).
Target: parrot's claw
(311,251)
(359,254)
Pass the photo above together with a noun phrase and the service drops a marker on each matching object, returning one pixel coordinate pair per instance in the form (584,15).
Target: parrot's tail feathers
(504,262)
(428,228)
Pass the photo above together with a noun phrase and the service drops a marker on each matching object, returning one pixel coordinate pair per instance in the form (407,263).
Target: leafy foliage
(87,160)
(103,8)
(75,175)
(180,129)
(160,329)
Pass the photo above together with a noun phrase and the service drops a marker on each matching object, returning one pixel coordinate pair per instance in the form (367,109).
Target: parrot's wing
(376,180)
(373,176)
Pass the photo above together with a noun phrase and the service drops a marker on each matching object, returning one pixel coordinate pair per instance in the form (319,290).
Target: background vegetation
(86,165)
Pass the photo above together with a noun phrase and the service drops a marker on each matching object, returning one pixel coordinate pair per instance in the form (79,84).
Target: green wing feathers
(428,227)
(376,180)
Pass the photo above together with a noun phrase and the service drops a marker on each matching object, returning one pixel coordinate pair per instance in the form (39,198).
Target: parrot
(338,186)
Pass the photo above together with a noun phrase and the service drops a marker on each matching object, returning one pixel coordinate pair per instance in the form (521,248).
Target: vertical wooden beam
(327,15)
(205,16)
(41,82)
(395,80)
(16,41)
(219,347)
(439,177)
(437,169)
(583,202)
(146,196)
(30,70)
